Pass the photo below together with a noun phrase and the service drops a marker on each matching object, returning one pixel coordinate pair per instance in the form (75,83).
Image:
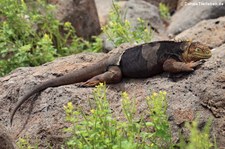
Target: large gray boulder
(200,93)
(210,32)
(194,12)
(104,7)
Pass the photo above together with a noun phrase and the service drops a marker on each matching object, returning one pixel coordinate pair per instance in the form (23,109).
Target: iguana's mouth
(202,56)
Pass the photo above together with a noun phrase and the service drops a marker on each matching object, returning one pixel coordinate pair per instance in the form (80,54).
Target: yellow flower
(101,84)
(67,24)
(92,110)
(124,94)
(155,94)
(46,36)
(69,105)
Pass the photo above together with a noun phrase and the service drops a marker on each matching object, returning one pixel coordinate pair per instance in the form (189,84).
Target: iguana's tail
(76,76)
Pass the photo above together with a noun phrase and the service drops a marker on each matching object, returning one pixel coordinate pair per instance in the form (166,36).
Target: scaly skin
(141,61)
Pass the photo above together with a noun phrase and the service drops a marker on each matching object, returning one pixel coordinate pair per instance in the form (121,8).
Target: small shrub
(157,106)
(198,139)
(100,130)
(120,31)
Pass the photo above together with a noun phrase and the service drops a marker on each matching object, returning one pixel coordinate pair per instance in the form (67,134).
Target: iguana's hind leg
(113,75)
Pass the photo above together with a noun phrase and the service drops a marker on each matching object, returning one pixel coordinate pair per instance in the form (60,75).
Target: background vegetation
(121,31)
(164,11)
(30,35)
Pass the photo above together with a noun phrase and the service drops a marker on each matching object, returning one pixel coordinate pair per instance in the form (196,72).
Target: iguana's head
(195,51)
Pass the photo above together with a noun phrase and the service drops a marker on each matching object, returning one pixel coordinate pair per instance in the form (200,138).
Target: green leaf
(25,48)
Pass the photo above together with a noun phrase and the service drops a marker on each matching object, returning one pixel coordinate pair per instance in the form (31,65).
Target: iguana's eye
(197,50)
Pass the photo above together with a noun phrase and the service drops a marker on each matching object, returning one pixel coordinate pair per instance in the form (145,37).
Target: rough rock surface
(6,141)
(210,32)
(190,15)
(103,10)
(199,93)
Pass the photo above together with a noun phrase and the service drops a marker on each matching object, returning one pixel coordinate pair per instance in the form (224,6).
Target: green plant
(157,106)
(198,139)
(30,35)
(24,144)
(164,11)
(120,31)
(79,44)
(99,129)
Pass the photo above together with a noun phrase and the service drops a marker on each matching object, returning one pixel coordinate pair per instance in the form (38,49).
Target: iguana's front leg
(113,75)
(171,65)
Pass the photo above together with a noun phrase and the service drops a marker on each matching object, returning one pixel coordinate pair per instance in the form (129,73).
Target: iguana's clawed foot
(195,64)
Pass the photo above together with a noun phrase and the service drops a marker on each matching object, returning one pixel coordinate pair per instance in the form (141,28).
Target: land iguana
(140,61)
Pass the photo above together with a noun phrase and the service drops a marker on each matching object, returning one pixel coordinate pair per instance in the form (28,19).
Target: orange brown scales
(140,61)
